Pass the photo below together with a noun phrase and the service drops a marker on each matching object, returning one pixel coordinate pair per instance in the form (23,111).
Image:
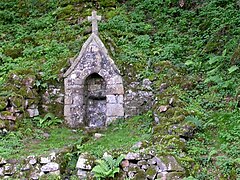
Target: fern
(107,167)
(48,120)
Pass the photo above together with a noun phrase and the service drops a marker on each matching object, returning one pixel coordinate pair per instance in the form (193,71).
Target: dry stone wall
(18,99)
(28,101)
(52,99)
(139,97)
(137,165)
(32,167)
(21,98)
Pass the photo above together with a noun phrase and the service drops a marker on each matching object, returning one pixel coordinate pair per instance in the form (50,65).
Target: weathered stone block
(1,171)
(82,174)
(2,161)
(162,175)
(115,89)
(25,168)
(33,112)
(79,81)
(67,111)
(110,120)
(68,100)
(34,175)
(9,169)
(57,173)
(111,99)
(171,163)
(50,167)
(45,160)
(32,160)
(115,80)
(120,99)
(104,74)
(162,167)
(85,161)
(78,99)
(132,156)
(115,110)
(175,175)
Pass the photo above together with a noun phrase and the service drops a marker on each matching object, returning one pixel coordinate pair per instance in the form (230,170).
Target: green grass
(216,147)
(33,141)
(59,137)
(201,39)
(120,136)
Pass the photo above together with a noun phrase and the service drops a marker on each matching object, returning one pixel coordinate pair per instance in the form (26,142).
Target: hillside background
(200,39)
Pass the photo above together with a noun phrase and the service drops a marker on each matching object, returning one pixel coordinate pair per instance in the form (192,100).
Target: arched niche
(95,100)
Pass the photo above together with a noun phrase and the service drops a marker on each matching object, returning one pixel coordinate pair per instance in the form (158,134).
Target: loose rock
(85,161)
(50,167)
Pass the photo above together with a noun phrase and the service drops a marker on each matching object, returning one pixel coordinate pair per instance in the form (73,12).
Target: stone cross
(94,18)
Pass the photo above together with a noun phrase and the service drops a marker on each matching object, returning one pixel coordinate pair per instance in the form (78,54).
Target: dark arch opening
(95,100)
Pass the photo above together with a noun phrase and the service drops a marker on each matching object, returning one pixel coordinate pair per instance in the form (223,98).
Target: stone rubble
(138,165)
(31,168)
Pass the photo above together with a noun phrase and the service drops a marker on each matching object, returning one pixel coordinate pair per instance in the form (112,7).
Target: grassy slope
(201,39)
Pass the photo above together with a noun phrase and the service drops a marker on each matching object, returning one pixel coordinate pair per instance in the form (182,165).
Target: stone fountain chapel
(93,85)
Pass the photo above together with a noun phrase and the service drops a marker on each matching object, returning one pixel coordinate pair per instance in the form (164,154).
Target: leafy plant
(48,120)
(194,120)
(107,167)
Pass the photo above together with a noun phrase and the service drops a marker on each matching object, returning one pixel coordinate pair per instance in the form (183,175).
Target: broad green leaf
(109,160)
(104,165)
(189,62)
(115,170)
(213,60)
(232,69)
(119,160)
(49,116)
(212,152)
(216,79)
(224,52)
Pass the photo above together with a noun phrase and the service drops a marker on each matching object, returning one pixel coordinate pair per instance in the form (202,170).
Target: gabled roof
(101,46)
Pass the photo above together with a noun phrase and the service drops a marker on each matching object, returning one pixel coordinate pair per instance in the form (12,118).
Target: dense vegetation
(200,38)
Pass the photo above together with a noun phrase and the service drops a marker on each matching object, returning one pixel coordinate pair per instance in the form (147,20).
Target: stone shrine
(93,85)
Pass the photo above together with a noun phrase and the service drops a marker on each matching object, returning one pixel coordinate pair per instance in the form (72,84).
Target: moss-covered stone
(133,168)
(26,92)
(5,113)
(32,101)
(171,163)
(10,88)
(2,124)
(151,172)
(55,108)
(14,52)
(175,175)
(29,81)
(177,143)
(185,129)
(17,101)
(3,103)
(140,175)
